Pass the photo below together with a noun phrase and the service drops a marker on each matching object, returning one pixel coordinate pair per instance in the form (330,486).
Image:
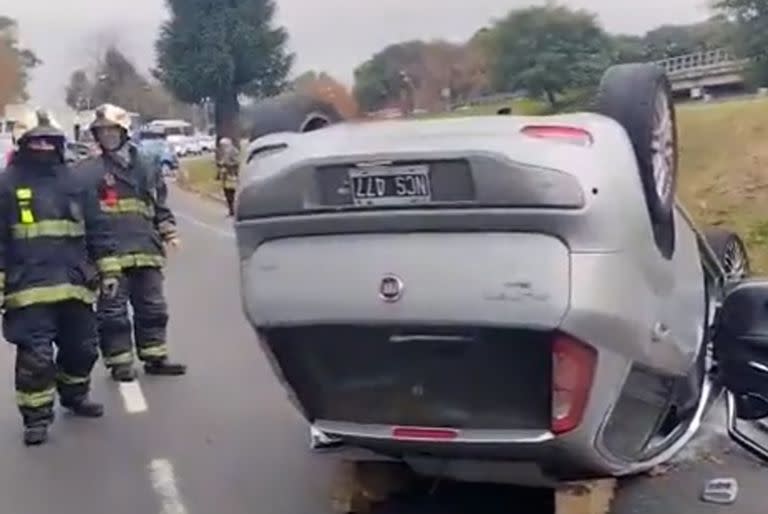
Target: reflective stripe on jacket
(54,239)
(134,199)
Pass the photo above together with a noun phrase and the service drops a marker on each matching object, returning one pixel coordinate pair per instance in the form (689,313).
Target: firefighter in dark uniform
(133,195)
(56,249)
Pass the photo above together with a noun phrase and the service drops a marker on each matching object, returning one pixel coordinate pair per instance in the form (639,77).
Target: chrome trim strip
(472,436)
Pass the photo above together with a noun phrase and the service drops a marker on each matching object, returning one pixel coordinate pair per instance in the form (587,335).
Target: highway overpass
(697,73)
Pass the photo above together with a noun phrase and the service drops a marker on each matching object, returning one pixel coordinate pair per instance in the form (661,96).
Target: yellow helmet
(109,115)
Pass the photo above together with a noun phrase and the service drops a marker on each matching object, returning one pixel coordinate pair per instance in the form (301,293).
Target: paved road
(223,440)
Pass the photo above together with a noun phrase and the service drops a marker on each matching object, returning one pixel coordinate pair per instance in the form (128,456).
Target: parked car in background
(155,147)
(177,134)
(207,143)
(193,146)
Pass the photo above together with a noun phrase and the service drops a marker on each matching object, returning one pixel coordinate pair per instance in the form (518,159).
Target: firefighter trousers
(34,330)
(229,196)
(142,288)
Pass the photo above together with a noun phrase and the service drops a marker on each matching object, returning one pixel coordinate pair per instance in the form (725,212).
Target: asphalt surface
(224,440)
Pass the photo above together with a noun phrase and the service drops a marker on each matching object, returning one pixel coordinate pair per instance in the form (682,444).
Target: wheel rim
(663,148)
(735,262)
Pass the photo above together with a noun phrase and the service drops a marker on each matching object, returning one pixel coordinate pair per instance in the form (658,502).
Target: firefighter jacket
(54,240)
(228,163)
(133,195)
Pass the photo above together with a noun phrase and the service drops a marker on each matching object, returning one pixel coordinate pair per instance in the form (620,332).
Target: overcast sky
(332,35)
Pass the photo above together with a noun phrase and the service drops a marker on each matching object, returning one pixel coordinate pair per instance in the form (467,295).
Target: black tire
(723,243)
(635,95)
(289,113)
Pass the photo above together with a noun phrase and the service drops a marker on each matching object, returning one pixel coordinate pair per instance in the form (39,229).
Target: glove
(110,287)
(173,243)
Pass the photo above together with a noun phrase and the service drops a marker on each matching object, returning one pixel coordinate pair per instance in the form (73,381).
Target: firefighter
(228,163)
(56,248)
(133,195)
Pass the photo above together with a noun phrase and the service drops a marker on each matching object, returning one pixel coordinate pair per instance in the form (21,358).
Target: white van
(178,134)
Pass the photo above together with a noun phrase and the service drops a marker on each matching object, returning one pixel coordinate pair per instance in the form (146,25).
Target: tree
(9,75)
(421,72)
(379,82)
(210,49)
(629,49)
(16,63)
(326,88)
(674,40)
(751,36)
(79,92)
(547,51)
(116,80)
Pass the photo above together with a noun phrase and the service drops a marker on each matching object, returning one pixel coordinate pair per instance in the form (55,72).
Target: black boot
(35,435)
(123,373)
(84,408)
(164,367)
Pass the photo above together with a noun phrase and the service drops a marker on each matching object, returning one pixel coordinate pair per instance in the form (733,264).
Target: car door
(741,355)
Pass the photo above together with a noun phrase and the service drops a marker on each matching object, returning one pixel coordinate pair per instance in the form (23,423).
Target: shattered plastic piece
(319,440)
(721,490)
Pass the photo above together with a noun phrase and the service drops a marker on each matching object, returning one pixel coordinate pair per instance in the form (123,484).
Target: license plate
(390,185)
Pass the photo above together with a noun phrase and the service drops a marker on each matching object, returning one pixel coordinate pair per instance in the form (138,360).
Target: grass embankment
(724,166)
(199,174)
(724,169)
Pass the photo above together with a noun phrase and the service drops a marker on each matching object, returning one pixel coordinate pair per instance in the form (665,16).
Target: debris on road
(721,490)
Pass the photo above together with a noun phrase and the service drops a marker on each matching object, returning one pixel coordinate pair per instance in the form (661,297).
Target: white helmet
(109,115)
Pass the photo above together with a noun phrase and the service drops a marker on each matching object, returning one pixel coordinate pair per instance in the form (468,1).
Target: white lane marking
(216,230)
(164,483)
(133,398)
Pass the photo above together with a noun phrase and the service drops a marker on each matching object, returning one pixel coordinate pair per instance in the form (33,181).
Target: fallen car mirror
(741,353)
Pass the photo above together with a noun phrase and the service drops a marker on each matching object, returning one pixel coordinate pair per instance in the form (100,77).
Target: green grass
(723,160)
(199,174)
(724,169)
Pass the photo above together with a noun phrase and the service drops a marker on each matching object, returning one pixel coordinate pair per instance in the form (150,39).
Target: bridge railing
(698,61)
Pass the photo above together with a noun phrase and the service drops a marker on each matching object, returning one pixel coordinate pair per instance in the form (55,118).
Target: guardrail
(702,63)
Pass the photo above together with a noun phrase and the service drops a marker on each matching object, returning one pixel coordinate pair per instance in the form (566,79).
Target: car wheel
(639,98)
(731,251)
(289,113)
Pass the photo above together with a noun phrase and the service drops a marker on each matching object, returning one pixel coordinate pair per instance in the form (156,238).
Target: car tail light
(572,373)
(421,433)
(571,135)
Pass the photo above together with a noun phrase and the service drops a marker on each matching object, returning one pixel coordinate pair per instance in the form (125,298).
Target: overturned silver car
(500,298)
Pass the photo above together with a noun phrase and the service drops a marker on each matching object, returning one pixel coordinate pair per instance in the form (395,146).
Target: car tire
(289,113)
(639,98)
(730,251)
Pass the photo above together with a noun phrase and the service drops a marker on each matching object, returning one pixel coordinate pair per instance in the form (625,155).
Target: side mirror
(741,354)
